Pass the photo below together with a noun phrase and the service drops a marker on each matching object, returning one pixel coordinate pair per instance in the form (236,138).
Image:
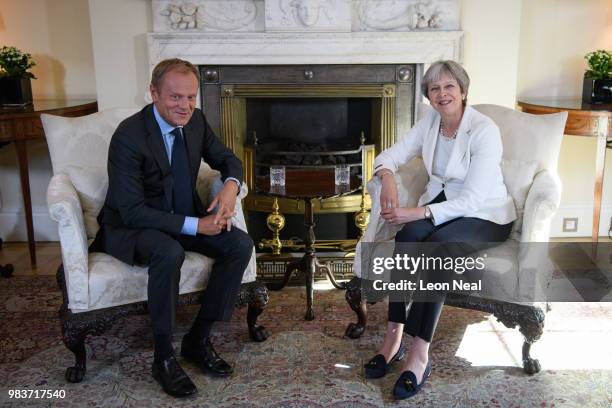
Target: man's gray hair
(172,64)
(452,69)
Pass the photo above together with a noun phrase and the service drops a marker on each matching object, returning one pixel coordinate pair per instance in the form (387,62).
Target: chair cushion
(528,137)
(81,141)
(79,148)
(112,282)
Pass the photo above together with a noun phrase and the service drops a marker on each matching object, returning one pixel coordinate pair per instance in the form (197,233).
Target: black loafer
(377,367)
(407,385)
(172,378)
(204,356)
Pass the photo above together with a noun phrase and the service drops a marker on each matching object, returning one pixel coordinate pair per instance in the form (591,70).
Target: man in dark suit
(152,215)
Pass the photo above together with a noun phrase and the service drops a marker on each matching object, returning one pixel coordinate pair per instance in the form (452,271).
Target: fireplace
(306,112)
(355,66)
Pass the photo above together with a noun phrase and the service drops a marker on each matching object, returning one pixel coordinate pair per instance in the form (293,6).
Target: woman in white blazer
(465,201)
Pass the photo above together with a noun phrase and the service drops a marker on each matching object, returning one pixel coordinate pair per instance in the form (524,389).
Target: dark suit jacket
(140,180)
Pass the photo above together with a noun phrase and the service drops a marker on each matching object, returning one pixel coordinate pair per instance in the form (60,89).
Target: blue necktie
(182,193)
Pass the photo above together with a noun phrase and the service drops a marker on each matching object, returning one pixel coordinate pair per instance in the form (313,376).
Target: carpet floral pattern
(302,364)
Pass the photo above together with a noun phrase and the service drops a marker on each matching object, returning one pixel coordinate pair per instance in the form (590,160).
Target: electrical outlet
(570,224)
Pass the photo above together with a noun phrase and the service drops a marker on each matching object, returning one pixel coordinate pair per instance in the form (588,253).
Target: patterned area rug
(476,361)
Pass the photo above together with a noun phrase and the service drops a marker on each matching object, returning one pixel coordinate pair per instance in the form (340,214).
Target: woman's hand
(402,215)
(388,193)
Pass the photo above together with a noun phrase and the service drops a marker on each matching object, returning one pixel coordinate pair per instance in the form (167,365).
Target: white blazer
(473,183)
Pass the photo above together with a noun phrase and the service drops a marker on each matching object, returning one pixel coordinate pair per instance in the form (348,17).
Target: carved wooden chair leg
(358,305)
(254,295)
(74,339)
(255,307)
(530,365)
(531,325)
(530,320)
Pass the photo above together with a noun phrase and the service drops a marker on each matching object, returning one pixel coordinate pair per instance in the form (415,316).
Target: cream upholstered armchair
(531,150)
(97,288)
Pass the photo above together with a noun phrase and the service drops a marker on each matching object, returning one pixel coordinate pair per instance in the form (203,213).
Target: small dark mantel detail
(302,110)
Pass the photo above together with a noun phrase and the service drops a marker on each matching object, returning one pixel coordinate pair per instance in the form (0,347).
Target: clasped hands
(225,200)
(390,211)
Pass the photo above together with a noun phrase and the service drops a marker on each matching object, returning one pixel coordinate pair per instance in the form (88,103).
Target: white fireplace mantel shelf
(423,47)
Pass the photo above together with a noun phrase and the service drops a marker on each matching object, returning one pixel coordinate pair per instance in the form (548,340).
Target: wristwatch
(428,214)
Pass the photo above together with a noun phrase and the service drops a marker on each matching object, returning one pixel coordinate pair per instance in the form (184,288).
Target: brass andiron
(275,223)
(362,217)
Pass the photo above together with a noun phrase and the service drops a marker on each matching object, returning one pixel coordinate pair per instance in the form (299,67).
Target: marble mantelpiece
(306,48)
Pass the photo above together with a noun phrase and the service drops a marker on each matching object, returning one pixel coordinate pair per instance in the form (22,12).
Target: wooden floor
(48,258)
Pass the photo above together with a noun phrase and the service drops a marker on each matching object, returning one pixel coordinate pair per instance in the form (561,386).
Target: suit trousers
(164,255)
(466,236)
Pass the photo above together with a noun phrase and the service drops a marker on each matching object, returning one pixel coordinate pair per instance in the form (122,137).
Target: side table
(20,124)
(590,120)
(307,185)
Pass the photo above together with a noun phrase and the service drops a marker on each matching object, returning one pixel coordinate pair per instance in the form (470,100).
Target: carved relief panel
(208,15)
(308,15)
(304,15)
(405,15)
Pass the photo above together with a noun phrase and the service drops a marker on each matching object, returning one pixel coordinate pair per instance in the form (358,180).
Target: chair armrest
(535,267)
(411,180)
(541,204)
(208,185)
(209,179)
(65,209)
(250,273)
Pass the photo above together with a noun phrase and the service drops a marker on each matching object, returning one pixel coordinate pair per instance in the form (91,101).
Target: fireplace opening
(308,124)
(308,132)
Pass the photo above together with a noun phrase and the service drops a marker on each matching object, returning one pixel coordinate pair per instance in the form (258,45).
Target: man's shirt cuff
(234,179)
(190,226)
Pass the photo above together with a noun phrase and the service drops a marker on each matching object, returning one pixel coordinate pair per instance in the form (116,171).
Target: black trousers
(467,235)
(164,254)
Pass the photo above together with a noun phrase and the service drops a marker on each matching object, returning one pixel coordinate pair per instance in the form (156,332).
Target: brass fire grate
(272,269)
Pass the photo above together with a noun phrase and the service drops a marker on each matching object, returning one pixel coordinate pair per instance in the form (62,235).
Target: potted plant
(15,85)
(597,85)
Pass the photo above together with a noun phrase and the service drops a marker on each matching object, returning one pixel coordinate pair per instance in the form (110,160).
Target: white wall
(555,36)
(57,34)
(491,49)
(119,30)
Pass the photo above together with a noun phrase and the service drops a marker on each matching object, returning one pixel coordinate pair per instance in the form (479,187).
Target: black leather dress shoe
(172,378)
(204,356)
